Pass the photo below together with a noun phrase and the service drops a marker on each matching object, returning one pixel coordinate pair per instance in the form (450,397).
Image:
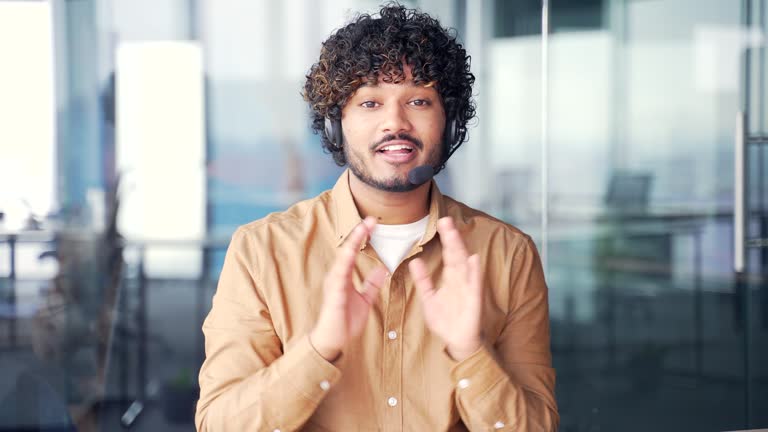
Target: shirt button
(498,425)
(325,385)
(392,335)
(463,383)
(392,401)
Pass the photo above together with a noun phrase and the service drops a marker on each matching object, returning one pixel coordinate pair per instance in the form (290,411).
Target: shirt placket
(393,355)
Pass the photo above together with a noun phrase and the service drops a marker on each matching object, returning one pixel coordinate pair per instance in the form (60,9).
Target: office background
(136,135)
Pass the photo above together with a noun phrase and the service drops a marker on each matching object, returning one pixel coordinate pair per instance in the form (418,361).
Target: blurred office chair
(628,192)
(632,265)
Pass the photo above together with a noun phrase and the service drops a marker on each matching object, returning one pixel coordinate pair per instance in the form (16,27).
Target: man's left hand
(453,311)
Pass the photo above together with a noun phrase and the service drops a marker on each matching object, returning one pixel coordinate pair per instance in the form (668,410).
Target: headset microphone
(421,174)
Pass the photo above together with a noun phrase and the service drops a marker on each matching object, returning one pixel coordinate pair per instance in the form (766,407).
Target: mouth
(397,152)
(396,147)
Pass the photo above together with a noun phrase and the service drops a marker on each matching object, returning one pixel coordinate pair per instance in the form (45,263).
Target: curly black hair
(372,47)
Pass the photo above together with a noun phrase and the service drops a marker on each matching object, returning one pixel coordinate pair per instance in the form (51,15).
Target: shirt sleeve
(511,385)
(247,382)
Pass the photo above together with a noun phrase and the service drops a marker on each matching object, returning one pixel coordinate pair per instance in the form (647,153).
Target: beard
(397,182)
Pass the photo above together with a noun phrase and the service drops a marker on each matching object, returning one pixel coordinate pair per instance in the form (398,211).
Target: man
(381,304)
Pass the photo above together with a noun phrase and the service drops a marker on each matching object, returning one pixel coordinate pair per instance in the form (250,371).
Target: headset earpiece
(333,132)
(451,134)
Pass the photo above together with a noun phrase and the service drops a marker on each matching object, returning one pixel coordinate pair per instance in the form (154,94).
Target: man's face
(389,129)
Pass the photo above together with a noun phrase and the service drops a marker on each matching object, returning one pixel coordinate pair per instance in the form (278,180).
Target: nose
(395,120)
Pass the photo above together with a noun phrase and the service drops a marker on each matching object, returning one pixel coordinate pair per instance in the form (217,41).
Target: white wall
(27,127)
(161,151)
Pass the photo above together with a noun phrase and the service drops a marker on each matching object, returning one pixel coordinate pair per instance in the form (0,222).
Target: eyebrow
(430,84)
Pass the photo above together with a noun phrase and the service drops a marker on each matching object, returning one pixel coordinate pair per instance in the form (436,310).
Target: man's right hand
(345,310)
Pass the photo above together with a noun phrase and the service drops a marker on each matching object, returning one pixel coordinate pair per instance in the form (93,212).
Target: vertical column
(545,10)
(473,157)
(616,12)
(12,295)
(77,101)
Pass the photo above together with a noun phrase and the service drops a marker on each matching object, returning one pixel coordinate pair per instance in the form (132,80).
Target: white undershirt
(392,242)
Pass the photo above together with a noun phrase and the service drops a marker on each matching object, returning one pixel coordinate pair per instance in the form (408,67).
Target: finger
(370,222)
(373,283)
(345,259)
(421,278)
(454,251)
(475,276)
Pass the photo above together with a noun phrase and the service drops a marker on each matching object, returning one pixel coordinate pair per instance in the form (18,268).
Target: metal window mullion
(545,134)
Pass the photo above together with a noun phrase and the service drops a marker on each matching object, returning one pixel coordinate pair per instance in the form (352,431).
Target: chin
(391,183)
(405,186)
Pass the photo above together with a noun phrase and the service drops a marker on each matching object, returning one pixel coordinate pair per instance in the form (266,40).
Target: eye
(369,104)
(420,102)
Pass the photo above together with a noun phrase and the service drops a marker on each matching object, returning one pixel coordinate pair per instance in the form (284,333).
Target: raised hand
(345,310)
(453,311)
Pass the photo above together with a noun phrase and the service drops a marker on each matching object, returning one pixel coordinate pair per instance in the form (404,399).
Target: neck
(390,208)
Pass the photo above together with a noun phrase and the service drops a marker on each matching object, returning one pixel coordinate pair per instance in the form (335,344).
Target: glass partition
(649,325)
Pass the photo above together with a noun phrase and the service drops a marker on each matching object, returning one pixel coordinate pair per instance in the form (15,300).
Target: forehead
(396,78)
(407,85)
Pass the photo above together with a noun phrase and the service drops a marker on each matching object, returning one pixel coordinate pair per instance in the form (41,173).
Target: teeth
(396,147)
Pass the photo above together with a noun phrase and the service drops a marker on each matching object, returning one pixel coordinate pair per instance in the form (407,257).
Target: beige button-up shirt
(262,374)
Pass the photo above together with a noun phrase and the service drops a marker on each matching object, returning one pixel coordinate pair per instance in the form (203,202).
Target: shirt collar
(347,217)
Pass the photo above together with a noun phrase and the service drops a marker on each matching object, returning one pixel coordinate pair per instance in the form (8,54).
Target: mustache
(401,136)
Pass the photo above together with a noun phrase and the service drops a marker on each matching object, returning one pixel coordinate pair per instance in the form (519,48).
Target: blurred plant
(183,379)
